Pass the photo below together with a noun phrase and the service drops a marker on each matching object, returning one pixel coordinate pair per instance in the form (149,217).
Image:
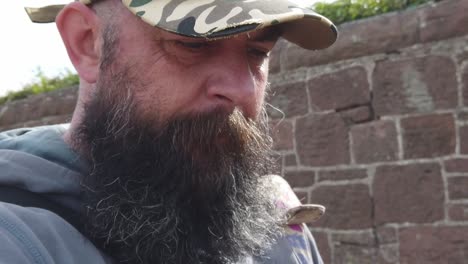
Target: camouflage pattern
(214,19)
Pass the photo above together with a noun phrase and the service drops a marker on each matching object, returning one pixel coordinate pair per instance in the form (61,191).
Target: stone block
(341,175)
(445,20)
(290,160)
(374,142)
(282,134)
(434,245)
(386,235)
(385,33)
(458,212)
(303,196)
(408,193)
(323,245)
(348,206)
(458,187)
(357,115)
(464,76)
(300,178)
(456,165)
(410,86)
(354,248)
(322,140)
(463,134)
(338,90)
(428,136)
(290,98)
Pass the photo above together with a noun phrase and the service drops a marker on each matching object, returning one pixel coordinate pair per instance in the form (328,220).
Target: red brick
(408,193)
(303,196)
(348,206)
(447,19)
(361,38)
(458,187)
(356,115)
(456,165)
(373,142)
(463,114)
(282,133)
(290,160)
(434,245)
(410,86)
(300,178)
(458,212)
(322,140)
(428,136)
(362,247)
(340,89)
(464,77)
(463,134)
(323,245)
(291,99)
(340,175)
(386,235)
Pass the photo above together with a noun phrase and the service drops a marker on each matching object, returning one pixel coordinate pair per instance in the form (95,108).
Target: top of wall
(382,34)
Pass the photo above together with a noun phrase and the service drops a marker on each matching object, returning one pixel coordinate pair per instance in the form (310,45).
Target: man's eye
(259,53)
(193,46)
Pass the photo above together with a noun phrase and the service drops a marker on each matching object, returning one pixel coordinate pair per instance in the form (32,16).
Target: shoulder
(33,235)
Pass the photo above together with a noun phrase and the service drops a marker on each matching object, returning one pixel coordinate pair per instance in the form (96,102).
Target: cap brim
(215,19)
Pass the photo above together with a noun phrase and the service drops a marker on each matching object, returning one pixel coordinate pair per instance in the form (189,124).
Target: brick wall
(375,128)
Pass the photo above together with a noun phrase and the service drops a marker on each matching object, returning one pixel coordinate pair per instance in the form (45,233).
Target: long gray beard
(187,191)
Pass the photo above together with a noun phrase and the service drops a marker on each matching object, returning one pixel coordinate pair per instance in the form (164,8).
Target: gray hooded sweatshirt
(39,161)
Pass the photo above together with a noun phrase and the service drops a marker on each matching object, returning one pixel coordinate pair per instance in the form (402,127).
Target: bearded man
(167,156)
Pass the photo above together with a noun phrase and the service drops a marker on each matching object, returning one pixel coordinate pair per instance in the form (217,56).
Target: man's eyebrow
(267,35)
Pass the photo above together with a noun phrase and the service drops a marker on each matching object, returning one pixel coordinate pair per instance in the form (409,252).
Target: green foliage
(341,11)
(43,84)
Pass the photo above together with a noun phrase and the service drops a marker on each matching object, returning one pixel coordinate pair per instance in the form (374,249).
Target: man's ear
(79,28)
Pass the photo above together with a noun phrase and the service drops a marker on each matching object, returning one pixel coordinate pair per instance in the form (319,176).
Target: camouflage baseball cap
(214,19)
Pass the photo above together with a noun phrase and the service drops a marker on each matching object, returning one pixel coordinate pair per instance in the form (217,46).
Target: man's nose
(232,82)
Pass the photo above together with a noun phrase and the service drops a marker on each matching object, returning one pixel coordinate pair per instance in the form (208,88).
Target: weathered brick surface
(456,165)
(411,85)
(458,212)
(458,187)
(300,178)
(373,142)
(290,160)
(348,206)
(323,245)
(434,245)
(355,248)
(323,140)
(428,136)
(57,103)
(356,115)
(448,20)
(291,99)
(340,175)
(282,133)
(384,34)
(303,196)
(408,193)
(340,89)
(463,134)
(464,76)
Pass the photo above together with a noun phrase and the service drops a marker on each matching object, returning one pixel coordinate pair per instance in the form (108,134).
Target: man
(165,158)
